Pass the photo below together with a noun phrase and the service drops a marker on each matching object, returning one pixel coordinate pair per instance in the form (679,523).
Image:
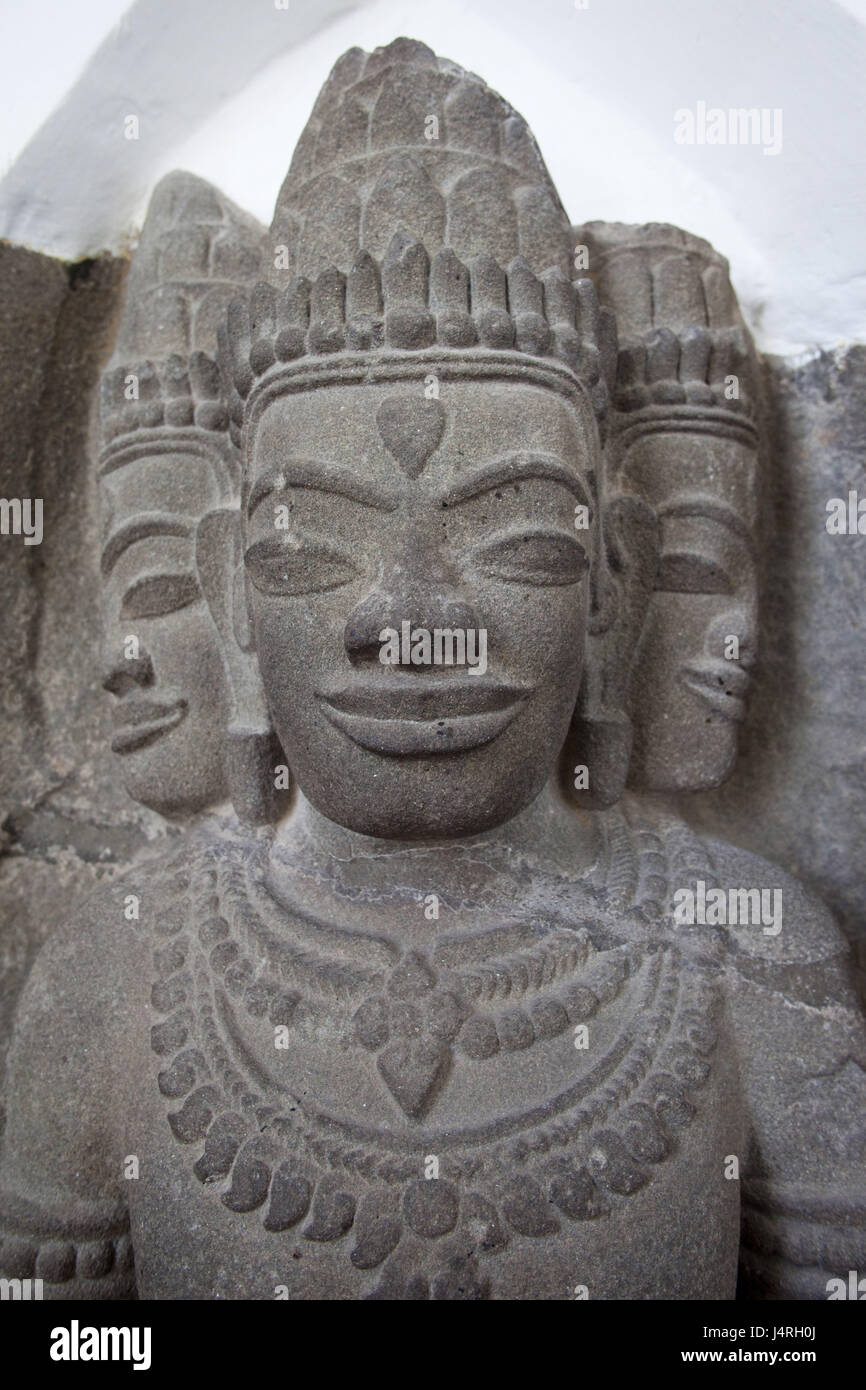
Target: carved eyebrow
(510,468)
(713,510)
(320,477)
(141,528)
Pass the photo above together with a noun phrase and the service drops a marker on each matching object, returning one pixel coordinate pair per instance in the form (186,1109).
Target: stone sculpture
(168,473)
(448,1027)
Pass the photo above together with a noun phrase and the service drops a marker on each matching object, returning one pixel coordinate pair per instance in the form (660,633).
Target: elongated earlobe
(255,763)
(254,760)
(598,748)
(596,757)
(242,627)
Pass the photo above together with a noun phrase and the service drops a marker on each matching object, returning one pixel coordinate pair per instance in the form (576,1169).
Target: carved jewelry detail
(570,1157)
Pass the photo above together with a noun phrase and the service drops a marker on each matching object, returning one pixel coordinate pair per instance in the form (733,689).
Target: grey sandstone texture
(394,923)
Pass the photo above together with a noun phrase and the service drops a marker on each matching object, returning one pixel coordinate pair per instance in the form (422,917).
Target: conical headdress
(196,253)
(402,140)
(417,216)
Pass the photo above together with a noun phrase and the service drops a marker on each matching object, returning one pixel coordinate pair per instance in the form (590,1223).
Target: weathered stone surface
(489,1006)
(798,791)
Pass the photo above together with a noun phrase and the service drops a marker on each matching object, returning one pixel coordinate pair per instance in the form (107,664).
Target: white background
(223,87)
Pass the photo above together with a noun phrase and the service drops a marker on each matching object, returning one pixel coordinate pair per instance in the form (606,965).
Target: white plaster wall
(223,87)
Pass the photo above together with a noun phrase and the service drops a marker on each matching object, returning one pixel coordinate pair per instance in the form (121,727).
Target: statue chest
(519,1116)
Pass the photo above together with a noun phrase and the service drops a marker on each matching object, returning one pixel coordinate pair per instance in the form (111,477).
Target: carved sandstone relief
(442,1026)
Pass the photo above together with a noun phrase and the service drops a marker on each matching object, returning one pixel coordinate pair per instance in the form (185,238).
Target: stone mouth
(422,717)
(417,697)
(142,722)
(722,685)
(421,737)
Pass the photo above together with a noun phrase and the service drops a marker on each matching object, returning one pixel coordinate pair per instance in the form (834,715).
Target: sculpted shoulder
(801,1047)
(88,959)
(101,938)
(768,916)
(73,1033)
(757,913)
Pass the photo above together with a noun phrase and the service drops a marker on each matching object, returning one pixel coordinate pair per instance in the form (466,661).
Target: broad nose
(120,673)
(421,588)
(738,620)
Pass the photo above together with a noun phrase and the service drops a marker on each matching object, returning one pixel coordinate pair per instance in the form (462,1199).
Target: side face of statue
(685,440)
(454,515)
(166,462)
(698,646)
(171,700)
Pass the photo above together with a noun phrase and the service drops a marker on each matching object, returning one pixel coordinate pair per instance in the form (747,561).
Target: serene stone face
(689,687)
(371,507)
(172,699)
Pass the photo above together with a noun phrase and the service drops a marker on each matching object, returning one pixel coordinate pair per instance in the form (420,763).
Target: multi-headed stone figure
(443,1029)
(169,478)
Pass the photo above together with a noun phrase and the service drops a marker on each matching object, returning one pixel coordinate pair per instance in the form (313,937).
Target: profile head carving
(685,439)
(167,461)
(698,647)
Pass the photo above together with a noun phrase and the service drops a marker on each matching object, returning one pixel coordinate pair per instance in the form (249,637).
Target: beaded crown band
(682,337)
(693,368)
(178,392)
(409,304)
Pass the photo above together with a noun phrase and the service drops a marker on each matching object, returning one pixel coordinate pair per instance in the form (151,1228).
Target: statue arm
(63,1210)
(801,1243)
(802,1051)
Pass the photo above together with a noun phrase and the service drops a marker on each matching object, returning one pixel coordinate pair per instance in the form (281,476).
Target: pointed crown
(417,217)
(681,333)
(196,252)
(178,391)
(401,138)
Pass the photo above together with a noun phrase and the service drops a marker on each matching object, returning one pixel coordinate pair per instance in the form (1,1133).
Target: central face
(386,533)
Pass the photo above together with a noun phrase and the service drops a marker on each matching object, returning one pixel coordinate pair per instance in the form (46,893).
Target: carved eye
(685,573)
(158,594)
(297,567)
(533,557)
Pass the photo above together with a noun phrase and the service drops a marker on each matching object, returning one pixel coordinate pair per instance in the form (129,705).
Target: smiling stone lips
(138,723)
(415,715)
